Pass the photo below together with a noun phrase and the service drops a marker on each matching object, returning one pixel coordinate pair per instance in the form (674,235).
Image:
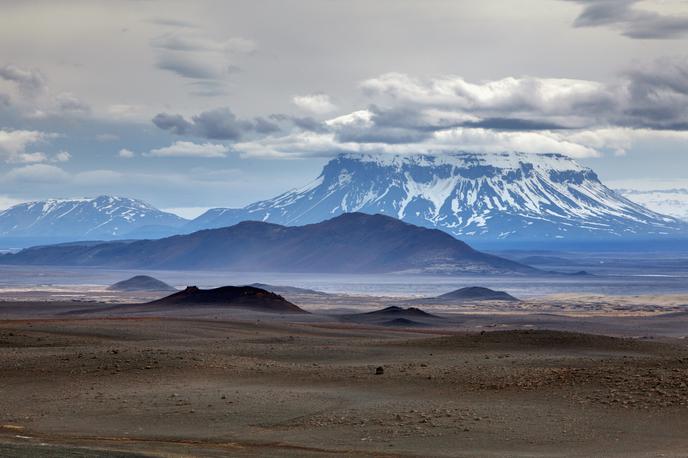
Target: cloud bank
(631,20)
(581,118)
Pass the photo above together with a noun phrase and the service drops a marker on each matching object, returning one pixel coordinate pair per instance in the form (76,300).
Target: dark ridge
(349,243)
(141,283)
(234,296)
(582,273)
(404,323)
(477,293)
(399,311)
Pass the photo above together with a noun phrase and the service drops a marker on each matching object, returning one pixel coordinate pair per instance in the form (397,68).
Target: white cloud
(67,103)
(190,149)
(7,202)
(652,96)
(13,145)
(311,144)
(30,158)
(126,154)
(568,101)
(620,139)
(315,103)
(62,156)
(528,142)
(37,173)
(31,82)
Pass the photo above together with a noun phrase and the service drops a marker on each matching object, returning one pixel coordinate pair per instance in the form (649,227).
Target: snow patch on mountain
(672,202)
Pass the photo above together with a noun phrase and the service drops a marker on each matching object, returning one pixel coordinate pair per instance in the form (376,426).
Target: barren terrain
(219,383)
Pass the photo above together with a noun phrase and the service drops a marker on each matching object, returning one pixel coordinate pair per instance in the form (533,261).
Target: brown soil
(193,387)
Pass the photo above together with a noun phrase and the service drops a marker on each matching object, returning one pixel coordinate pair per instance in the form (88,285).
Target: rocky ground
(198,387)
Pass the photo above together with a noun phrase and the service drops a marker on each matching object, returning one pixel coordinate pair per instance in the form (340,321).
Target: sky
(191,105)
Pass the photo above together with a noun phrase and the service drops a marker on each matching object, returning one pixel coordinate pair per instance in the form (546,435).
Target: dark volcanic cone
(477,293)
(395,311)
(234,296)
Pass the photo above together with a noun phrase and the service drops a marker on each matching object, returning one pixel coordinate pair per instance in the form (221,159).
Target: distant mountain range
(472,196)
(103,217)
(350,243)
(672,202)
(475,197)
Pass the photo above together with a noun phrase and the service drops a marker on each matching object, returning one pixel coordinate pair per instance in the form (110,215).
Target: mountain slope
(350,243)
(672,202)
(100,217)
(485,196)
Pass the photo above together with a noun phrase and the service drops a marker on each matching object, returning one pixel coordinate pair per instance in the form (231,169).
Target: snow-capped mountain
(103,217)
(672,202)
(472,196)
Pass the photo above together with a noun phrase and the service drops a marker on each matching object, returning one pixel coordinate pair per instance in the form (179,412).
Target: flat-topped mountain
(141,283)
(350,243)
(515,196)
(235,296)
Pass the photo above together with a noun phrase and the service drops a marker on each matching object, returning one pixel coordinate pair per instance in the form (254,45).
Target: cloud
(30,157)
(35,100)
(311,144)
(631,21)
(656,95)
(217,124)
(68,103)
(7,202)
(190,149)
(559,100)
(31,82)
(13,145)
(125,153)
(486,140)
(192,66)
(126,112)
(171,22)
(62,156)
(210,88)
(581,118)
(37,173)
(199,57)
(174,123)
(315,103)
(196,42)
(652,95)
